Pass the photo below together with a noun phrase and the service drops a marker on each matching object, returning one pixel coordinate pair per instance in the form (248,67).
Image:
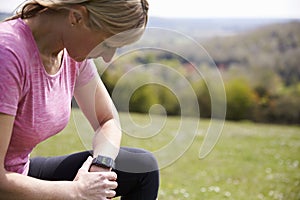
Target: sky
(209,8)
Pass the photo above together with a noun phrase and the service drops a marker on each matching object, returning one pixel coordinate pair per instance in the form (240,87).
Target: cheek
(83,48)
(78,51)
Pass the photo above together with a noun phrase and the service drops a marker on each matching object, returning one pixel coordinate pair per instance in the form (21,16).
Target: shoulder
(16,38)
(17,45)
(12,33)
(10,62)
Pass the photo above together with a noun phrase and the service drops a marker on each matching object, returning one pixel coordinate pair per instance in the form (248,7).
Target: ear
(78,15)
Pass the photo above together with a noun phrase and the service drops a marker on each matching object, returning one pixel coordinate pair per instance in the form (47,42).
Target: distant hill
(206,27)
(274,46)
(3,16)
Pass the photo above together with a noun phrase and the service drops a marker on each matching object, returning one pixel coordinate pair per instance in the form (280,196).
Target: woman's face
(104,50)
(85,43)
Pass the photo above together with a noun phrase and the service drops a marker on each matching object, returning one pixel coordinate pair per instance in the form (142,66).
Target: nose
(108,54)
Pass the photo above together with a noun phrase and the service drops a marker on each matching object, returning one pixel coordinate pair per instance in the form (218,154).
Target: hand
(95,185)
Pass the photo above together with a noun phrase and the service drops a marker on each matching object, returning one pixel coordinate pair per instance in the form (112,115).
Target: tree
(240,99)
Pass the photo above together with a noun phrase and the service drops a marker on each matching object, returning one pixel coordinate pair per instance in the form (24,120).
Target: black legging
(137,170)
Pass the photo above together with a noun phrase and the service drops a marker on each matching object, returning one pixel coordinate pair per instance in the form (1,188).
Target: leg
(138,175)
(137,170)
(57,168)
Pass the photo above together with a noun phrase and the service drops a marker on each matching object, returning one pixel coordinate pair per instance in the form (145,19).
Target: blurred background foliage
(260,68)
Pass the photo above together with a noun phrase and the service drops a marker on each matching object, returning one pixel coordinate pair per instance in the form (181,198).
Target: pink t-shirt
(41,103)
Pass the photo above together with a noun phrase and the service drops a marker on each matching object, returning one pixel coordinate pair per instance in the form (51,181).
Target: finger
(84,168)
(110,194)
(111,185)
(112,176)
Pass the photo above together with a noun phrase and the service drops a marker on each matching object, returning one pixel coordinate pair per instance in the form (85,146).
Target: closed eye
(105,45)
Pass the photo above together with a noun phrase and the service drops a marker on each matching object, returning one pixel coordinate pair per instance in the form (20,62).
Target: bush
(168,100)
(149,95)
(142,99)
(285,107)
(203,97)
(240,100)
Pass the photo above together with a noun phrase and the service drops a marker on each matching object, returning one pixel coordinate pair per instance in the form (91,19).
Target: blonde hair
(111,16)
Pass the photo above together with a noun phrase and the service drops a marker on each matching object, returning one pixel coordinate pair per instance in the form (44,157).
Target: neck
(46,29)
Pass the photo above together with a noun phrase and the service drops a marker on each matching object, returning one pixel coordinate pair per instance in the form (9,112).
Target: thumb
(84,168)
(87,164)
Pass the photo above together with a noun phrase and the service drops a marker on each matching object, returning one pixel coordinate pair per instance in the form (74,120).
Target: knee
(136,160)
(150,160)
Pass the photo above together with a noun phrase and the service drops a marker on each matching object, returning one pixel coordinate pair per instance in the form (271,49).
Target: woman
(43,51)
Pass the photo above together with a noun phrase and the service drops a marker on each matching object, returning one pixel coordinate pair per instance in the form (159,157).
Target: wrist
(77,191)
(95,168)
(103,162)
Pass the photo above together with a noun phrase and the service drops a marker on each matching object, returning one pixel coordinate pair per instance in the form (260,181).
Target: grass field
(250,161)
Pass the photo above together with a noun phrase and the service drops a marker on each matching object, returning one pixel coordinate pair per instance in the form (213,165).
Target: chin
(78,59)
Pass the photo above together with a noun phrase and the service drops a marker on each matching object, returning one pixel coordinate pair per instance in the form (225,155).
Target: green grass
(250,161)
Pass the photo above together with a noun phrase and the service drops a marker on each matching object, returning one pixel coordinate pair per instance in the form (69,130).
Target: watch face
(103,161)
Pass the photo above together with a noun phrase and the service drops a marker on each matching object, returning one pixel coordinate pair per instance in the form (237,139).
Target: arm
(96,104)
(14,186)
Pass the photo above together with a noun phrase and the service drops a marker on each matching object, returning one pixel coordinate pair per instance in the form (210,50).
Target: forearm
(107,139)
(14,186)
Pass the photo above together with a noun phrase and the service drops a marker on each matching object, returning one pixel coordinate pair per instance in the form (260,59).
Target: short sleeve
(87,72)
(10,82)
